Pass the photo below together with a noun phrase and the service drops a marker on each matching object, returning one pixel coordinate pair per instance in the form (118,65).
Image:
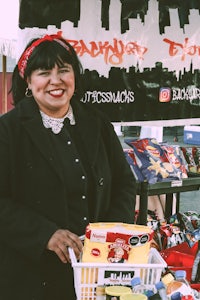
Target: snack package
(180,228)
(176,158)
(191,220)
(117,243)
(188,153)
(152,160)
(171,233)
(130,157)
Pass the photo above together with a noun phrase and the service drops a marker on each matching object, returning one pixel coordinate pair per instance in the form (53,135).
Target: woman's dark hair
(45,56)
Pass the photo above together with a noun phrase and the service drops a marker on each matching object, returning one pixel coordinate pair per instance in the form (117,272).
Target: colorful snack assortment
(178,240)
(155,162)
(179,228)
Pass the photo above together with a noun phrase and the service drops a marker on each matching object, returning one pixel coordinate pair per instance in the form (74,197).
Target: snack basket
(87,276)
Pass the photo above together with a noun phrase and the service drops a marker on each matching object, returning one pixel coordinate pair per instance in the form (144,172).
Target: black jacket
(31,180)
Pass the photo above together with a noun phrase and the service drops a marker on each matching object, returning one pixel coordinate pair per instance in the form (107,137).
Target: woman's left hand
(61,240)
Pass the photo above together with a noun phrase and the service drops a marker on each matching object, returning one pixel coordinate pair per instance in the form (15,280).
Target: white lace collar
(56,124)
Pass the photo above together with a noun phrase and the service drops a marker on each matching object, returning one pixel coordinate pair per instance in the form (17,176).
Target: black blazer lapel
(32,123)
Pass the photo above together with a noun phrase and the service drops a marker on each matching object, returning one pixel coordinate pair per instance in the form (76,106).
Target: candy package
(152,160)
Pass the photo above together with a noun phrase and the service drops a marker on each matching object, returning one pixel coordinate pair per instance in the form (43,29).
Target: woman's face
(53,89)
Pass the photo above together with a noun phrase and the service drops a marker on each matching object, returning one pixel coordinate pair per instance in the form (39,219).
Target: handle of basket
(72,255)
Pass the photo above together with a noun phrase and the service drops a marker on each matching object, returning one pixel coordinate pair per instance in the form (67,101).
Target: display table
(169,188)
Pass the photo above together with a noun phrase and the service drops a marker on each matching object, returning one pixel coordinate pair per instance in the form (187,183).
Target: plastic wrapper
(177,159)
(176,236)
(181,227)
(195,276)
(130,157)
(116,243)
(152,220)
(191,220)
(180,239)
(188,153)
(152,160)
(180,257)
(191,225)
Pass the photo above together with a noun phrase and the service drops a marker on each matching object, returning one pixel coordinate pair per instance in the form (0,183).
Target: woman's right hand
(61,240)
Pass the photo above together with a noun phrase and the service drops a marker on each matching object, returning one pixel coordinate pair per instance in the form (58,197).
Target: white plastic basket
(87,276)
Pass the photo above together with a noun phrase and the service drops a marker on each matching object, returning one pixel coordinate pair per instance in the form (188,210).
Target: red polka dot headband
(22,64)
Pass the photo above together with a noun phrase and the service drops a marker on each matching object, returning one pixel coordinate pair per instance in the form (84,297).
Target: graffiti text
(113,54)
(183,49)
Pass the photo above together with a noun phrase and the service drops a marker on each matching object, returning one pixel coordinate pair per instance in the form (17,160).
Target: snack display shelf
(144,189)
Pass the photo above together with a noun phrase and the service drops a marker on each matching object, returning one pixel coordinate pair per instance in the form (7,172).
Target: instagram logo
(165,94)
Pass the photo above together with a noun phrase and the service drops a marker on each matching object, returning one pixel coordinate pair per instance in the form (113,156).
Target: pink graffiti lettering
(185,48)
(113,54)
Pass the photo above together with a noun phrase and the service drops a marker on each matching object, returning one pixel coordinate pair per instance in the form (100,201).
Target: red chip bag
(176,158)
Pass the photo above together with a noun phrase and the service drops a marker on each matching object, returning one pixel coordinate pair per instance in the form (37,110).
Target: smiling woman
(62,167)
(55,84)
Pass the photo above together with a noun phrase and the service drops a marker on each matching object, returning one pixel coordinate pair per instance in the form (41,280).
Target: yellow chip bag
(117,243)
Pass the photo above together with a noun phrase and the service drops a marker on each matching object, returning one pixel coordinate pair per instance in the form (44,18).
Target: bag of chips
(176,158)
(117,243)
(188,153)
(130,157)
(152,160)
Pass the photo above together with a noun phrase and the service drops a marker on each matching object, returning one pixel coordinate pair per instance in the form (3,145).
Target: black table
(144,189)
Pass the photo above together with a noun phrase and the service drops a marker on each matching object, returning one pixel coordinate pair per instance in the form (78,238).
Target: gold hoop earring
(28,93)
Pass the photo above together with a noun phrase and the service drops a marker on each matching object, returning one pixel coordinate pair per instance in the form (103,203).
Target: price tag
(176,183)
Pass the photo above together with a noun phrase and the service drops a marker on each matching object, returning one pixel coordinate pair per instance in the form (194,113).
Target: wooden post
(4,85)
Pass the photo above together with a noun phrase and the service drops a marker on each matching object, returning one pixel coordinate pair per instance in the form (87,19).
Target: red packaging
(177,258)
(195,286)
(180,257)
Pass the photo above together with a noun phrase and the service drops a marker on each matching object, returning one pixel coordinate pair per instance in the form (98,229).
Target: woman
(62,166)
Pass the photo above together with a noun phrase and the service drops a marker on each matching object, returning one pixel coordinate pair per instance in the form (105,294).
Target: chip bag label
(117,243)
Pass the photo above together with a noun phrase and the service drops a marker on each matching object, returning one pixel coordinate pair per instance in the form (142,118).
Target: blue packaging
(192,135)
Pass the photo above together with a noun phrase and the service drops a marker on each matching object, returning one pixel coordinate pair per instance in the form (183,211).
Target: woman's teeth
(56,92)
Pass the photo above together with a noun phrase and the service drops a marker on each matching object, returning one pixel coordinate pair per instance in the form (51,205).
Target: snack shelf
(144,189)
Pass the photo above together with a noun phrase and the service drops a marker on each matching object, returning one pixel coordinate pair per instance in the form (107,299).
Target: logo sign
(165,94)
